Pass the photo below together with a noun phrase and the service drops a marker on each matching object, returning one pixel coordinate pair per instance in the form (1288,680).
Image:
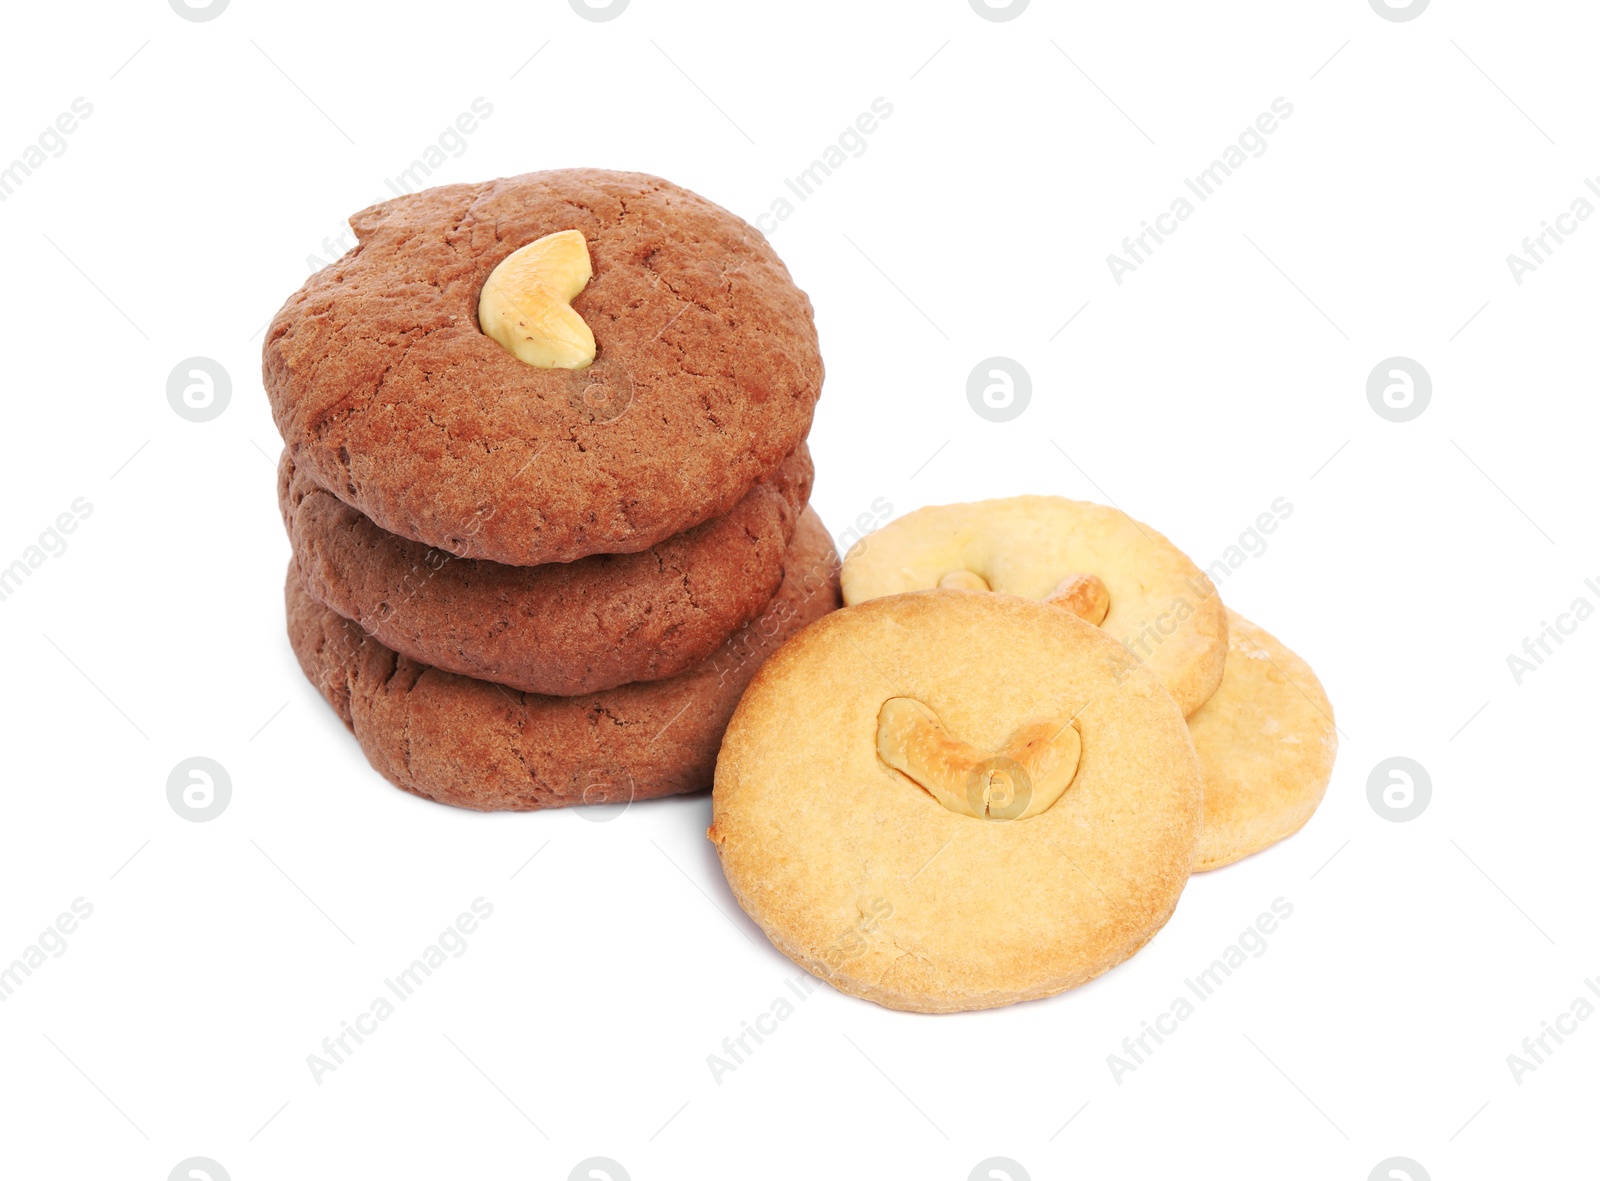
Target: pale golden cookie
(1266,743)
(903,888)
(1161,606)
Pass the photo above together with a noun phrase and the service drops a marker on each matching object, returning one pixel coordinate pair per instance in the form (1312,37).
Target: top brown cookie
(388,395)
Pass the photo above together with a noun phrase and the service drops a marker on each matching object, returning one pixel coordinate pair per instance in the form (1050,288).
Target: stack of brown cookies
(545,482)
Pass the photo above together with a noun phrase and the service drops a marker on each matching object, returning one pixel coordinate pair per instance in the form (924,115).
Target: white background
(1227,371)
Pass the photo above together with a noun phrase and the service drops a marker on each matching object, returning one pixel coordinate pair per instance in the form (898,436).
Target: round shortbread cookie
(1266,742)
(560,628)
(389,395)
(1162,607)
(908,889)
(479,745)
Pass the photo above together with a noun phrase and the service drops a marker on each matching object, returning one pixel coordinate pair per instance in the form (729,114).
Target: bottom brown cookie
(476,744)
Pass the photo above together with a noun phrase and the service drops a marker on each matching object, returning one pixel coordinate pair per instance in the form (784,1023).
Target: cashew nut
(1022,780)
(526,303)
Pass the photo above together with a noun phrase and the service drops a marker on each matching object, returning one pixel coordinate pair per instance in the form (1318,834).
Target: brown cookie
(561,628)
(389,395)
(480,745)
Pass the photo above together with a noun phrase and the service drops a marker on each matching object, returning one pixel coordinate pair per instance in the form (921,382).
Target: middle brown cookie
(563,628)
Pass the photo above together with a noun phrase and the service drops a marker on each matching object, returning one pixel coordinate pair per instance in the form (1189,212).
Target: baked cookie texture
(1266,742)
(561,628)
(1162,606)
(389,396)
(862,877)
(475,744)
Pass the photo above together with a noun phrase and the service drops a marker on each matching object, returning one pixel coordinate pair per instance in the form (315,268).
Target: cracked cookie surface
(560,628)
(476,744)
(388,394)
(860,874)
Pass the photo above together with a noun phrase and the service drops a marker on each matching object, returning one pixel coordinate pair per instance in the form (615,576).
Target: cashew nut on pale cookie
(1094,561)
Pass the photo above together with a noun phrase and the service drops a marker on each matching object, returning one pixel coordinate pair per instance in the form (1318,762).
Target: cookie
(560,628)
(1266,743)
(476,744)
(942,801)
(388,394)
(1142,589)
